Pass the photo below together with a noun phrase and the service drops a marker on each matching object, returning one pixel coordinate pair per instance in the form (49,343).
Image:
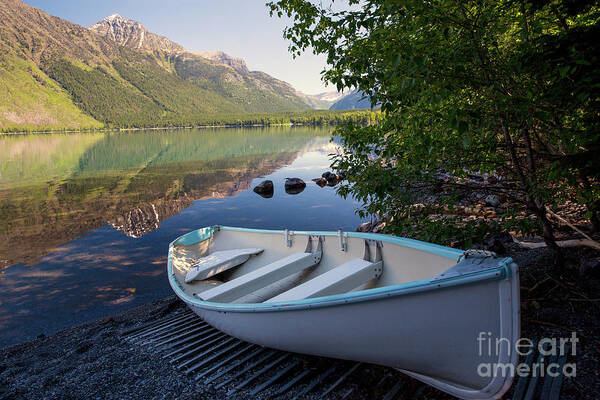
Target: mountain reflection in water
(85,219)
(56,187)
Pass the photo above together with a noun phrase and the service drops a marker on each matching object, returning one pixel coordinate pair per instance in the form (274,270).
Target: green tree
(503,86)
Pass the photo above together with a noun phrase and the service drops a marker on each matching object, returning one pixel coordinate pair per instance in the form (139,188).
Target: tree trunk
(592,206)
(548,233)
(536,206)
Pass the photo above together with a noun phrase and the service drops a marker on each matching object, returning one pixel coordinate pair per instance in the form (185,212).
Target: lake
(86,218)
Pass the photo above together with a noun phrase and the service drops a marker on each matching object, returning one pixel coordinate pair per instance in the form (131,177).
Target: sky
(241,28)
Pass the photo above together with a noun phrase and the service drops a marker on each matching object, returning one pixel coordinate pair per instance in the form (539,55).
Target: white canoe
(357,296)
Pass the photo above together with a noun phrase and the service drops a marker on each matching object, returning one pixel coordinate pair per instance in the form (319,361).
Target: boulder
(321,182)
(492,200)
(333,180)
(265,189)
(294,185)
(499,242)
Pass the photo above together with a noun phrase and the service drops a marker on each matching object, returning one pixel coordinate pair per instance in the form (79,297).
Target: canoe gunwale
(202,234)
(502,271)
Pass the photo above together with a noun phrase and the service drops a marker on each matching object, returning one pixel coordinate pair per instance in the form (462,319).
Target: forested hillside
(30,100)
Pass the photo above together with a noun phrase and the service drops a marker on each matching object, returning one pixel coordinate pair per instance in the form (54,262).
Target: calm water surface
(85,219)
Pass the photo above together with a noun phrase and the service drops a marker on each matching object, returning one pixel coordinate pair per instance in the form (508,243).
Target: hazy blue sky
(241,28)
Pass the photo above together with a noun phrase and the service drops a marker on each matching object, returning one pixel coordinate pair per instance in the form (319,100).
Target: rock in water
(294,185)
(331,178)
(321,182)
(265,189)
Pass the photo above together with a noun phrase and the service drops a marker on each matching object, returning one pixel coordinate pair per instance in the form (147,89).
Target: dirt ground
(556,302)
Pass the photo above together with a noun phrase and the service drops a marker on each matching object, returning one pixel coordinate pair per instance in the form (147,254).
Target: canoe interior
(401,264)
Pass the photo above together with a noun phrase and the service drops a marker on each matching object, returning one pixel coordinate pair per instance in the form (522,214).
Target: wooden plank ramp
(534,386)
(216,359)
(236,367)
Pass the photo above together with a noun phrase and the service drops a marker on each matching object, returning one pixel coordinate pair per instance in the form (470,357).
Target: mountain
(252,91)
(222,58)
(329,96)
(134,35)
(56,75)
(321,101)
(29,98)
(353,100)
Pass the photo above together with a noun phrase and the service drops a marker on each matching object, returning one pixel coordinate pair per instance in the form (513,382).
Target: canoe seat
(341,279)
(218,262)
(264,276)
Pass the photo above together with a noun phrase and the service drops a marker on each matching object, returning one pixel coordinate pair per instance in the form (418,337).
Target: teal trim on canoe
(501,272)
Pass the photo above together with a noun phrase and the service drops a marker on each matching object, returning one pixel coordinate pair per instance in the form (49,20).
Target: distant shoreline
(166,128)
(316,118)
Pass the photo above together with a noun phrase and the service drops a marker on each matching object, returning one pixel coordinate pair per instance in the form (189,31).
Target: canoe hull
(427,335)
(433,333)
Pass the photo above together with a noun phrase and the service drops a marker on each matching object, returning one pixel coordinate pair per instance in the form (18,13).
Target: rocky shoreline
(92,361)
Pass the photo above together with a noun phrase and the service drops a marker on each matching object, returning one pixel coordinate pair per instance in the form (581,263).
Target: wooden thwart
(341,279)
(261,277)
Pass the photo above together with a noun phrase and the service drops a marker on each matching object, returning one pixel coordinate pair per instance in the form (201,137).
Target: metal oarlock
(343,237)
(288,237)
